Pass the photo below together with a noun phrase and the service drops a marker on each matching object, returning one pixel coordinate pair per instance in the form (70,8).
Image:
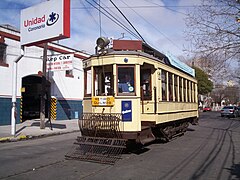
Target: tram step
(146,135)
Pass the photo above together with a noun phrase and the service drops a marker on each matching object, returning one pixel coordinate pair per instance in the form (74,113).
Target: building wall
(67,89)
(5,110)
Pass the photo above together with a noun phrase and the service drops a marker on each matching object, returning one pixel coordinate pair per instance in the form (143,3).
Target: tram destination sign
(61,62)
(45,22)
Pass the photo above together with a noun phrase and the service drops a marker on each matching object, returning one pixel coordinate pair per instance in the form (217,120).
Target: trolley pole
(43,93)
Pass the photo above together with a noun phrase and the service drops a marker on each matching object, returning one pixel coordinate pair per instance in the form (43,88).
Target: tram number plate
(102,101)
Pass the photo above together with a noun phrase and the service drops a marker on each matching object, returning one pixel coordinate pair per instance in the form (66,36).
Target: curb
(12,138)
(27,137)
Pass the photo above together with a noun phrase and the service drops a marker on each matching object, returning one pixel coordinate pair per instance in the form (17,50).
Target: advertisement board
(126,111)
(61,62)
(45,22)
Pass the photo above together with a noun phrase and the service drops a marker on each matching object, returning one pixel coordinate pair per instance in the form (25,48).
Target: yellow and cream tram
(136,93)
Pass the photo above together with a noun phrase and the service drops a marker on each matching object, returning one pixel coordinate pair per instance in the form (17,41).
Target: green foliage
(205,86)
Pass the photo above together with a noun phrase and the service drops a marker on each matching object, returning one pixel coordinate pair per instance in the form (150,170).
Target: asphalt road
(210,150)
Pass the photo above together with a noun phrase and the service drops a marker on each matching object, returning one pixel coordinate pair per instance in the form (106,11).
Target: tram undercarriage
(102,141)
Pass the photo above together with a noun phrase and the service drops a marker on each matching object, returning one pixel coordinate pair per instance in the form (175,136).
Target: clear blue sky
(160,22)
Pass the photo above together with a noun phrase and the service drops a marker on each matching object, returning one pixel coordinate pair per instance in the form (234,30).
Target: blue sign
(126,110)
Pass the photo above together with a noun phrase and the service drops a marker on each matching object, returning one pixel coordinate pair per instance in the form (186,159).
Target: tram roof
(145,50)
(139,53)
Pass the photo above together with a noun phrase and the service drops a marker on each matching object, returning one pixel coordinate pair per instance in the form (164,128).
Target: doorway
(31,96)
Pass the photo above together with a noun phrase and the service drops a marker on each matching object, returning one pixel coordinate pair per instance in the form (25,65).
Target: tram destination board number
(102,101)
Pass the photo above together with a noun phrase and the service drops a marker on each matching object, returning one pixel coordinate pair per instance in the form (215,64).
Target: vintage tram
(134,93)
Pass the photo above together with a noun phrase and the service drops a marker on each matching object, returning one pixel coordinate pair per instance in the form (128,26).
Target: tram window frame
(146,84)
(87,82)
(170,86)
(193,92)
(184,90)
(190,91)
(180,89)
(103,80)
(187,91)
(164,84)
(176,82)
(126,83)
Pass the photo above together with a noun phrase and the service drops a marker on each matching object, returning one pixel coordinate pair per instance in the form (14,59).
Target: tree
(232,94)
(213,28)
(205,86)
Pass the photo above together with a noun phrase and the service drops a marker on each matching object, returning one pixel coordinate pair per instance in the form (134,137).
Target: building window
(126,80)
(69,73)
(3,49)
(164,85)
(145,81)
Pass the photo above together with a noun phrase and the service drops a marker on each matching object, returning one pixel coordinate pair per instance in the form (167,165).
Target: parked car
(230,111)
(207,109)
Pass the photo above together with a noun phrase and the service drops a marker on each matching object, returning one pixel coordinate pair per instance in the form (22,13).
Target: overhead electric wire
(135,35)
(153,26)
(100,20)
(113,19)
(167,7)
(128,21)
(101,30)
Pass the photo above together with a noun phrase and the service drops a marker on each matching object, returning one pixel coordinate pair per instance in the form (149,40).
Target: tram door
(146,90)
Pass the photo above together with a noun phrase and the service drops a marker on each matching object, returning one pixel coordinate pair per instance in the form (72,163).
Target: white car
(230,111)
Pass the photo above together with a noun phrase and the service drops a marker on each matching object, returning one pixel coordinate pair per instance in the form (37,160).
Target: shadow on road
(235,170)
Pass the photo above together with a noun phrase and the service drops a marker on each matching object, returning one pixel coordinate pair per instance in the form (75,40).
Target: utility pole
(43,93)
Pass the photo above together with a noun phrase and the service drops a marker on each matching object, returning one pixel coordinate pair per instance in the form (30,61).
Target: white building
(65,85)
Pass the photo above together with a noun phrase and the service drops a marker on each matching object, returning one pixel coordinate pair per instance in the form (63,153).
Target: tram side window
(190,91)
(193,92)
(126,84)
(170,88)
(145,81)
(88,82)
(184,91)
(164,85)
(176,87)
(103,84)
(180,89)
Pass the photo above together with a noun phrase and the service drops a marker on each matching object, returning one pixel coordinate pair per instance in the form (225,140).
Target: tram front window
(126,83)
(103,81)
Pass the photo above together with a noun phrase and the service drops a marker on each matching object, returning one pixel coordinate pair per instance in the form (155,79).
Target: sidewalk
(31,129)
